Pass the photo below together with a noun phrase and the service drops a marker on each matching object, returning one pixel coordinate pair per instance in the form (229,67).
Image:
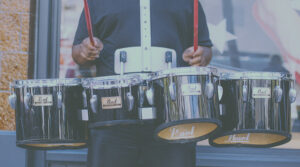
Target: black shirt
(117,24)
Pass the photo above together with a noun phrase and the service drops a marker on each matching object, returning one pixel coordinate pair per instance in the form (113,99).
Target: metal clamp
(28,101)
(209,88)
(94,103)
(220,91)
(150,94)
(141,94)
(129,100)
(172,90)
(292,93)
(278,94)
(12,99)
(84,98)
(59,98)
(245,91)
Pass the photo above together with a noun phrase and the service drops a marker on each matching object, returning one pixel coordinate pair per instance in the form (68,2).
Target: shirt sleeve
(81,32)
(203,39)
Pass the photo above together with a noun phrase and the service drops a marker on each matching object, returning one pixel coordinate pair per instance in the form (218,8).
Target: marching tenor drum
(47,113)
(119,100)
(190,104)
(256,109)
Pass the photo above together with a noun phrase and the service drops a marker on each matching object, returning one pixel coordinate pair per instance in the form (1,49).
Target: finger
(198,52)
(195,60)
(197,65)
(84,56)
(187,55)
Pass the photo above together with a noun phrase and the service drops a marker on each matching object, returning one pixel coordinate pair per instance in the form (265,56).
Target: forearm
(77,57)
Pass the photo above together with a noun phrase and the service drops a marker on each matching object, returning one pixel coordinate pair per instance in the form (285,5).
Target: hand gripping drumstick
(195,25)
(88,22)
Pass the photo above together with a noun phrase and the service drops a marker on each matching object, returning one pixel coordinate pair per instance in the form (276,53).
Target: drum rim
(227,133)
(46,82)
(113,81)
(255,75)
(182,71)
(197,120)
(23,144)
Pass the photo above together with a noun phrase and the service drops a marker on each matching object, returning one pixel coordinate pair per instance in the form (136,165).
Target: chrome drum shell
(192,112)
(49,126)
(255,110)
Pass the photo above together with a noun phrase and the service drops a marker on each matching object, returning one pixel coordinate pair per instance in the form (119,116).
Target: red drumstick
(196,25)
(88,22)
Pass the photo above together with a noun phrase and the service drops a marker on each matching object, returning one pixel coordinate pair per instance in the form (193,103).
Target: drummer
(117,25)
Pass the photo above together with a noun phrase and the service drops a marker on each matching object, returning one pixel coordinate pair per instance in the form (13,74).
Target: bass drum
(190,106)
(255,109)
(47,113)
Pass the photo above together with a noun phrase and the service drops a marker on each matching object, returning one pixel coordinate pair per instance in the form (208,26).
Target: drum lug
(220,92)
(292,95)
(27,101)
(209,90)
(130,101)
(141,95)
(172,90)
(94,103)
(150,96)
(278,94)
(84,99)
(245,93)
(12,101)
(59,100)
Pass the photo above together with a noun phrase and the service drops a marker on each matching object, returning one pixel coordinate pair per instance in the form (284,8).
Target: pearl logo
(42,100)
(261,92)
(238,138)
(111,102)
(179,132)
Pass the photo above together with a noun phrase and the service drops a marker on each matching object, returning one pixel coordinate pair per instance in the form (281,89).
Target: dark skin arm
(85,53)
(201,57)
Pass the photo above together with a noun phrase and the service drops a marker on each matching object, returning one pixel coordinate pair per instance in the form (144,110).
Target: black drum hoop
(287,135)
(188,121)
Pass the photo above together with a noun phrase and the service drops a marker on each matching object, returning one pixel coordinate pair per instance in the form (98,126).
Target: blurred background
(248,35)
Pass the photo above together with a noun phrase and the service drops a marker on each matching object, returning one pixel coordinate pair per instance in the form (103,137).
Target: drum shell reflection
(187,109)
(50,127)
(250,120)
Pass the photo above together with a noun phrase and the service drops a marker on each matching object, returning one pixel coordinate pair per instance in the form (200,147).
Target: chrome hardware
(209,90)
(141,95)
(147,113)
(27,101)
(292,95)
(84,99)
(150,96)
(94,103)
(172,91)
(220,91)
(129,101)
(59,100)
(12,99)
(83,115)
(245,92)
(278,94)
